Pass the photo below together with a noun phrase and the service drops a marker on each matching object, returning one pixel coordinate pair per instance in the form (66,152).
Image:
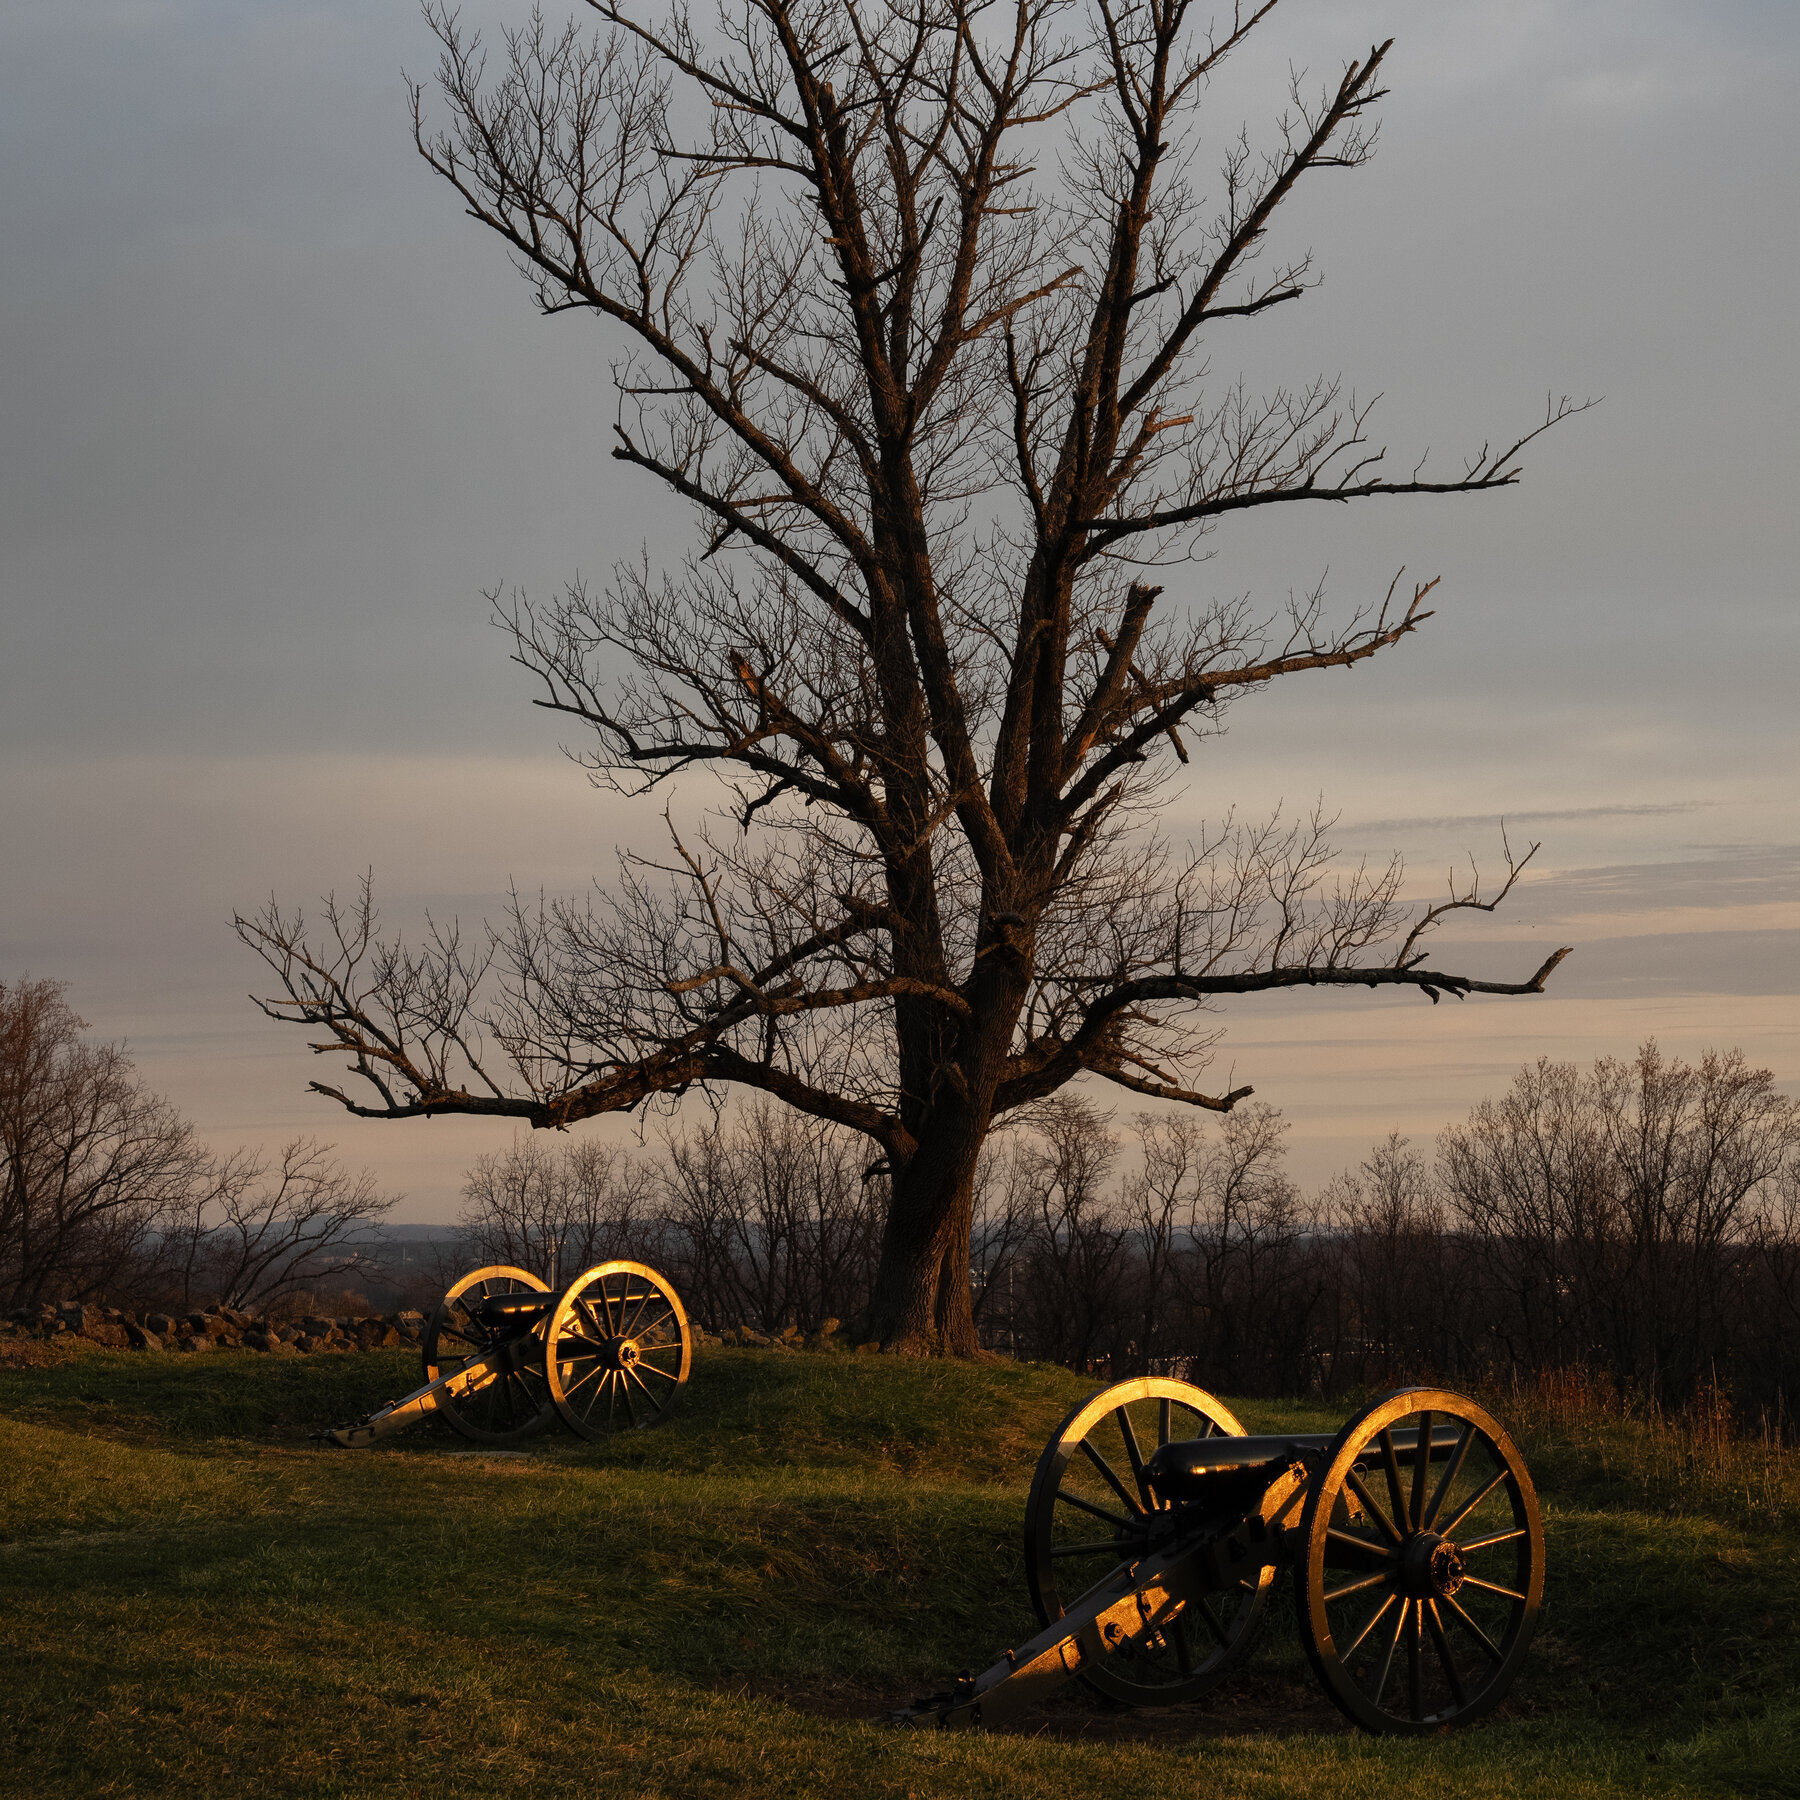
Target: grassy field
(195,1599)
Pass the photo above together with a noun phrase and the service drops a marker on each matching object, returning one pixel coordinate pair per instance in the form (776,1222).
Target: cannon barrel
(1413,1534)
(1223,1452)
(1134,1602)
(471,1378)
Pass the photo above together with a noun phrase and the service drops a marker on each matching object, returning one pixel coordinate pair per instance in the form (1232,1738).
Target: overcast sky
(272,413)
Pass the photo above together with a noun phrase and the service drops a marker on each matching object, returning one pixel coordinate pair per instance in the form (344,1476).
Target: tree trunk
(921,1304)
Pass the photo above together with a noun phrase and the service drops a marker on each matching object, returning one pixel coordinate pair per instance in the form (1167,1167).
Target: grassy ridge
(197,1600)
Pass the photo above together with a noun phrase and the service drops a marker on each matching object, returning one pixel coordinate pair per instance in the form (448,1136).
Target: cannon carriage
(505,1356)
(1155,1529)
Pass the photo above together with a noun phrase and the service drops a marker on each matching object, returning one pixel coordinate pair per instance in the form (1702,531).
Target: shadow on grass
(196,1601)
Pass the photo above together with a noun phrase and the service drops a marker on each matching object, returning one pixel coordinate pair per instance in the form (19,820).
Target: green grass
(194,1599)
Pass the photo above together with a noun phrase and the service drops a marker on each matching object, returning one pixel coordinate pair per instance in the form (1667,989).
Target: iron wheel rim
(1419,1586)
(1197,1652)
(597,1387)
(517,1404)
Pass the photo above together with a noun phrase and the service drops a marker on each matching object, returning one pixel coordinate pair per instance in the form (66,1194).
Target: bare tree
(558,1212)
(105,1189)
(912,304)
(1079,1244)
(1610,1208)
(769,1218)
(251,1233)
(1397,1274)
(92,1164)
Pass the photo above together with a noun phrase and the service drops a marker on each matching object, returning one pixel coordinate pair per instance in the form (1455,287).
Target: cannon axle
(504,1356)
(1413,1534)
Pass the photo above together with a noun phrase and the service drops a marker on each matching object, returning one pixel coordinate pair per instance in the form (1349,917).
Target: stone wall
(225,1328)
(214,1328)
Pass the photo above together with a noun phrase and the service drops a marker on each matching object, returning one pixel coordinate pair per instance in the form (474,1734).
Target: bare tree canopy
(556,1214)
(106,1190)
(258,1231)
(912,304)
(92,1165)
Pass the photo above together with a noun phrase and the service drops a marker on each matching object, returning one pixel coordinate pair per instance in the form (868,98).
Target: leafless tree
(91,1163)
(1244,1224)
(1397,1277)
(913,305)
(770,1221)
(105,1190)
(1079,1244)
(1609,1208)
(250,1234)
(558,1212)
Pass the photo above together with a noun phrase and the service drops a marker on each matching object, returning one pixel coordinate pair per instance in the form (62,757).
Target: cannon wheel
(1420,1575)
(1091,1509)
(619,1350)
(517,1404)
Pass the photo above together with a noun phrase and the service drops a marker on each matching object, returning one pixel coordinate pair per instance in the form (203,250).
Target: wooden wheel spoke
(1446,1661)
(1468,1506)
(655,1404)
(658,1331)
(1212,1624)
(620,1392)
(1415,1674)
(1451,1471)
(625,1389)
(1367,1546)
(1135,1457)
(1178,1635)
(595,1368)
(1391,1465)
(1415,1512)
(1100,1512)
(597,1303)
(1480,1636)
(1380,1577)
(1163,1413)
(1108,1546)
(1109,1476)
(1493,1538)
(1369,1625)
(1372,1506)
(1387,1661)
(1492,1587)
(644,1299)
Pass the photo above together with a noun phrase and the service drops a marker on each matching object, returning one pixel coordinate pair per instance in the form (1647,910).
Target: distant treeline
(1636,1222)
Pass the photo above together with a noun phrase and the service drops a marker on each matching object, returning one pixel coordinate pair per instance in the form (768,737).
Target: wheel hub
(619,1353)
(1431,1567)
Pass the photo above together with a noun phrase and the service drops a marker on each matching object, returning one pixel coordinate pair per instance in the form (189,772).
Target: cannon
(504,1356)
(1155,1528)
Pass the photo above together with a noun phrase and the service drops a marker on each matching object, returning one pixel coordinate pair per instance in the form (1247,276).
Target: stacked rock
(215,1327)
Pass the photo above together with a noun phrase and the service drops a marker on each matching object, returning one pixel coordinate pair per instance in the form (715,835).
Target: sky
(273,412)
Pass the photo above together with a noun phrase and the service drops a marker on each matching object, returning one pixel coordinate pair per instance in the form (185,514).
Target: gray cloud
(272,413)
